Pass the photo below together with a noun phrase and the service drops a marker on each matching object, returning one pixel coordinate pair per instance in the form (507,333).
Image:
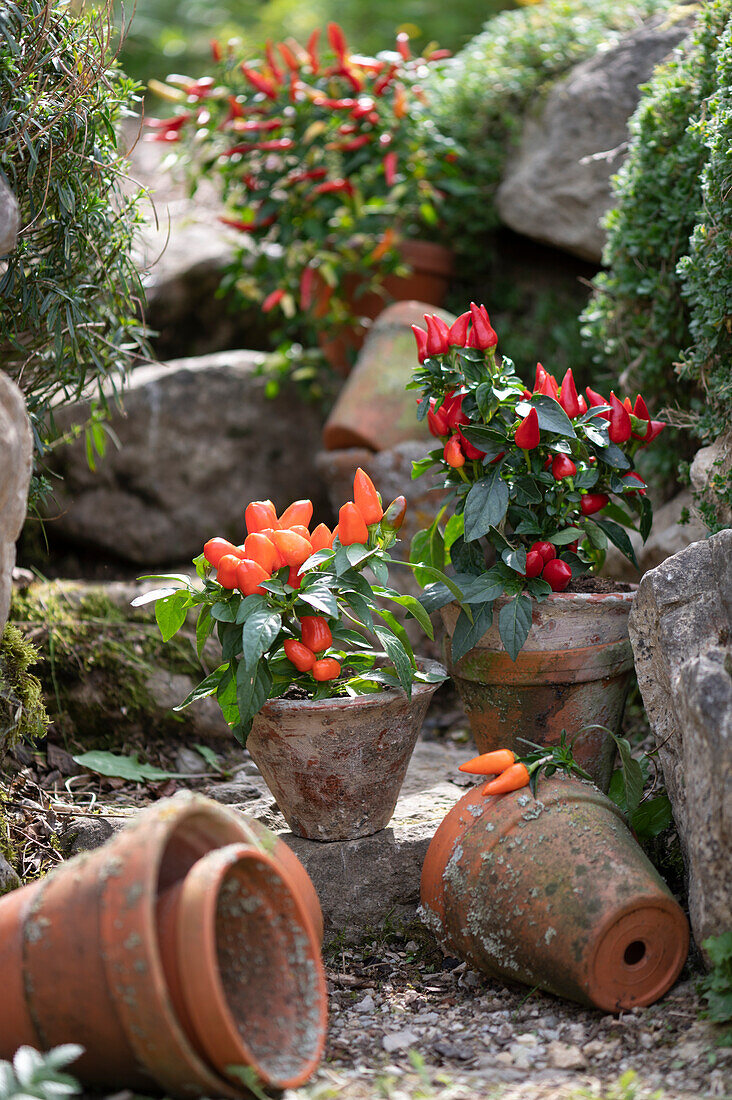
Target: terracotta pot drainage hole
(634,953)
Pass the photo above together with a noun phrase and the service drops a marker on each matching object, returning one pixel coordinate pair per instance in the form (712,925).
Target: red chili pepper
(326,669)
(655,428)
(312,48)
(259,515)
(635,488)
(593,502)
(348,74)
(546,549)
(163,136)
(366,498)
(301,511)
(226,570)
(489,763)
(568,395)
(247,227)
(261,83)
(437,334)
(301,177)
(351,525)
(458,335)
(453,453)
(470,451)
(512,779)
(316,634)
(562,466)
(437,420)
(402,43)
(249,577)
(321,538)
(484,333)
(594,399)
(557,573)
(540,376)
(174,123)
(421,337)
(337,39)
(258,548)
(527,434)
(332,187)
(288,57)
(384,80)
(293,577)
(215,50)
(236,110)
(215,549)
(390,169)
(350,146)
(254,125)
(549,387)
(619,421)
(582,404)
(299,655)
(307,287)
(640,409)
(438,55)
(393,517)
(272,300)
(272,61)
(295,548)
(534,563)
(363,108)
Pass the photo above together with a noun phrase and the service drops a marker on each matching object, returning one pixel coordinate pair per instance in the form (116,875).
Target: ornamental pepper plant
(539,478)
(293,608)
(326,159)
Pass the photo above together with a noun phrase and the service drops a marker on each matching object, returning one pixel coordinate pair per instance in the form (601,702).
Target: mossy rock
(107,678)
(22,713)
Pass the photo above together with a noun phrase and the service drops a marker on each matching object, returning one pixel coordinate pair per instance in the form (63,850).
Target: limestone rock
(714,462)
(681,632)
(9,219)
(198,440)
(16,460)
(557,187)
(8,878)
(668,536)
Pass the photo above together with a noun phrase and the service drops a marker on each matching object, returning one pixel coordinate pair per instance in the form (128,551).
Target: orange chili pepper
(259,515)
(316,634)
(226,570)
(321,538)
(294,548)
(512,779)
(301,657)
(489,763)
(249,576)
(257,547)
(366,498)
(351,525)
(300,512)
(215,549)
(326,669)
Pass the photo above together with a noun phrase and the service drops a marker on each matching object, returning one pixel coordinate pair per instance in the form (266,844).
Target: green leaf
(398,630)
(552,417)
(320,598)
(632,775)
(514,623)
(646,518)
(485,505)
(249,605)
(207,687)
(258,633)
(171,612)
(467,634)
(563,538)
(398,655)
(204,628)
(652,817)
(210,757)
(225,612)
(597,538)
(119,767)
(417,611)
(618,536)
(380,570)
(252,689)
(516,560)
(154,594)
(526,491)
(614,457)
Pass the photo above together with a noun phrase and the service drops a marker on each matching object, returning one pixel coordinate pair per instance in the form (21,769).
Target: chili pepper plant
(325,158)
(292,608)
(539,479)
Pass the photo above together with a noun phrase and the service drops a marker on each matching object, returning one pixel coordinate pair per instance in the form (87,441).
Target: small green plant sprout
(38,1076)
(716,987)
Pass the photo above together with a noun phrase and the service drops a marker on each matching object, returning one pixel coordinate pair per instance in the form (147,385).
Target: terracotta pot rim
(361,702)
(424,255)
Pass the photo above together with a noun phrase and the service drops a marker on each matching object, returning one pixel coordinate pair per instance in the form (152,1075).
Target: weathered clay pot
(555,893)
(234,936)
(431,266)
(573,671)
(336,766)
(373,409)
(80,955)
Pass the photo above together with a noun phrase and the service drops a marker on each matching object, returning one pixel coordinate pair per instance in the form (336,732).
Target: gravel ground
(407,1024)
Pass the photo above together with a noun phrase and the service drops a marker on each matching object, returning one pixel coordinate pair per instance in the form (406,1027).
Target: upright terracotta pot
(555,893)
(431,267)
(336,766)
(80,954)
(573,671)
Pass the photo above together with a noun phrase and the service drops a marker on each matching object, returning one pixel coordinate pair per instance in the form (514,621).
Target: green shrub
(662,310)
(69,296)
(481,97)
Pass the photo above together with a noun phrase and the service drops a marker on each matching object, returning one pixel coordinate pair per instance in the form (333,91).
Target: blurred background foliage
(173,35)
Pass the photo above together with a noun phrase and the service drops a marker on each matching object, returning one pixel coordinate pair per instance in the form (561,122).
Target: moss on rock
(22,713)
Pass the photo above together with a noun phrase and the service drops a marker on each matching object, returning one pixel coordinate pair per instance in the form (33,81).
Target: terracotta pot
(80,954)
(555,893)
(431,266)
(374,409)
(235,937)
(336,766)
(573,671)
